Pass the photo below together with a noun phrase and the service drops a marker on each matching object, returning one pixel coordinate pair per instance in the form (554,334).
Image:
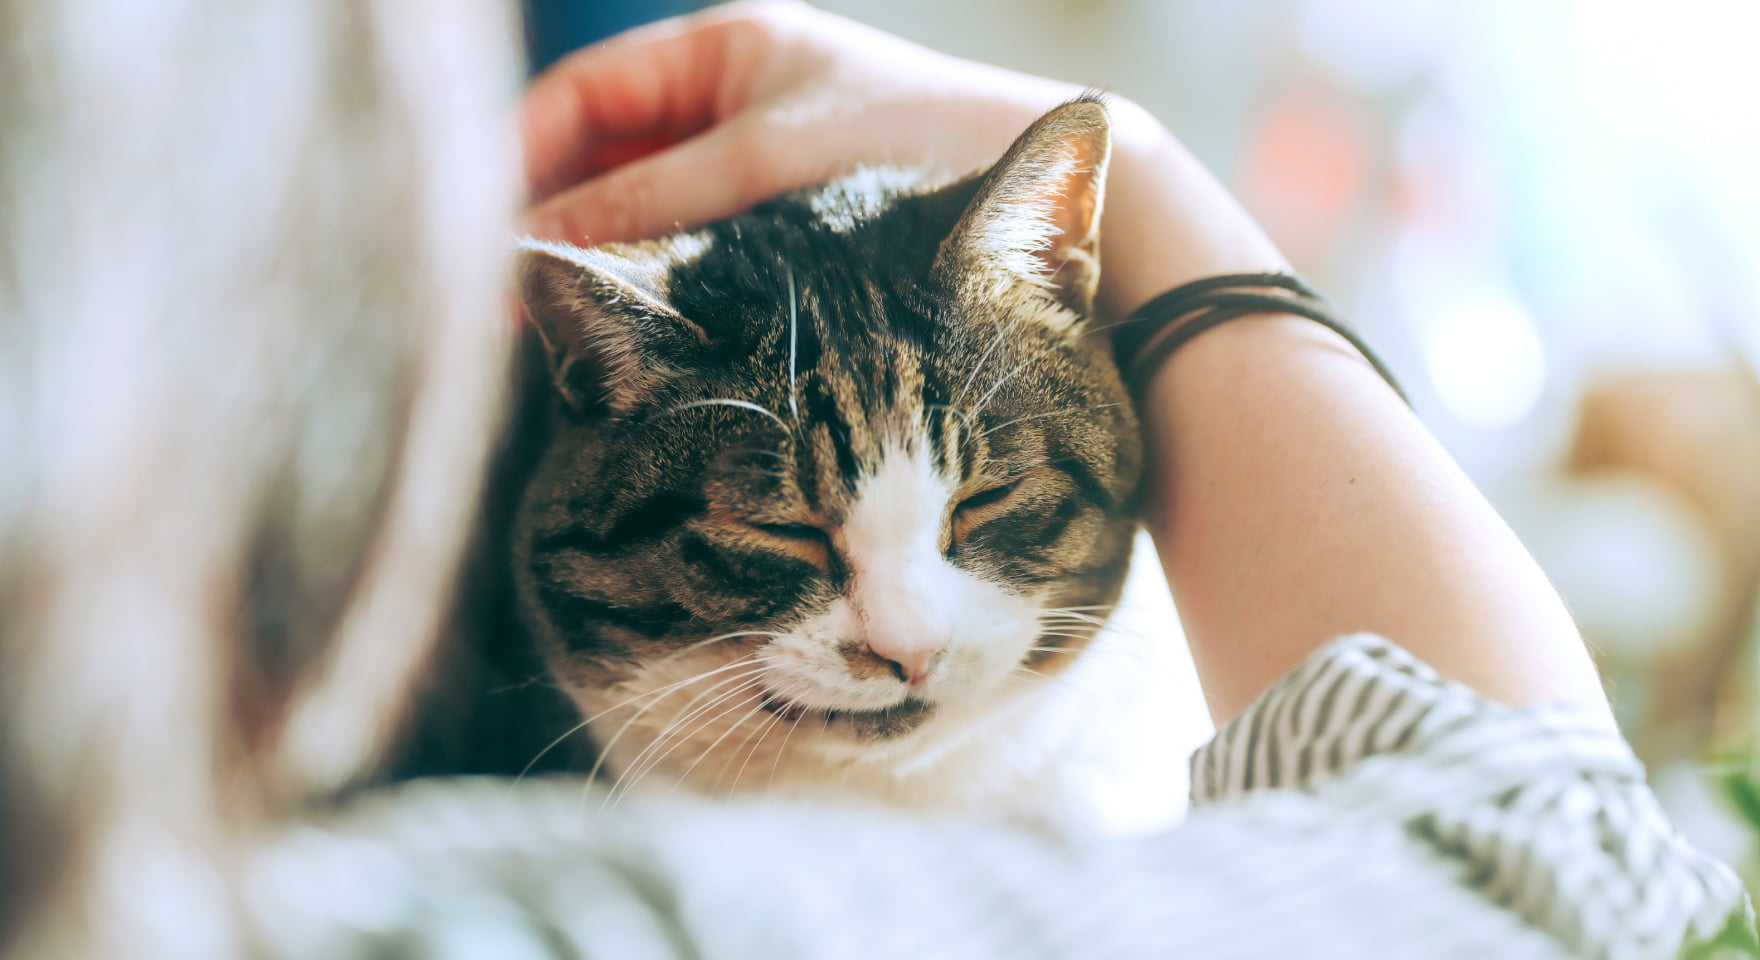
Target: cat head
(857,449)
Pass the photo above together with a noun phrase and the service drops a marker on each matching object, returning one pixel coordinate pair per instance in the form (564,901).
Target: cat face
(847,472)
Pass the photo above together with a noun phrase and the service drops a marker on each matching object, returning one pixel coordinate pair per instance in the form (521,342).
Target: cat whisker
(1068,412)
(794,328)
(732,750)
(1103,327)
(1065,648)
(777,762)
(764,728)
(1116,630)
(1002,331)
(759,452)
(687,648)
(1120,656)
(1069,619)
(998,385)
(540,680)
(577,728)
(685,714)
(757,741)
(1065,640)
(659,738)
(1132,654)
(1096,627)
(728,402)
(757,701)
(1077,611)
(693,678)
(961,414)
(627,781)
(690,709)
(1058,681)
(751,472)
(638,772)
(1078,625)
(658,695)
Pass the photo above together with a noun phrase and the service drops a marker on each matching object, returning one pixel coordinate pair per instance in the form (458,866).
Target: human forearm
(1296,499)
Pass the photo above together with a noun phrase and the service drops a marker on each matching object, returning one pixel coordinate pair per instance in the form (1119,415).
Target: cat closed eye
(991,496)
(791,531)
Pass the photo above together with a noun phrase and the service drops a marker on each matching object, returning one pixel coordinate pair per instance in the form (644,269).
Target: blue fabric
(555,28)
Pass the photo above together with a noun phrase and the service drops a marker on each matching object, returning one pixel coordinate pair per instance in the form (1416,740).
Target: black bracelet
(1143,342)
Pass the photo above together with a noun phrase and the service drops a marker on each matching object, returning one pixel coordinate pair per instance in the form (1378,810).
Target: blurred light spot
(1637,566)
(1487,363)
(1306,168)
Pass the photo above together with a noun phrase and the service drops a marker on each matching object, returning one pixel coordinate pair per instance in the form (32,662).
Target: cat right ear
(1036,217)
(607,329)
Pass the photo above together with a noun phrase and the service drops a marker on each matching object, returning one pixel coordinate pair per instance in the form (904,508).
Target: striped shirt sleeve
(1545,809)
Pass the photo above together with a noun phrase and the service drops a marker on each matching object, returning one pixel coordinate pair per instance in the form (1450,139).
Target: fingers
(662,82)
(658,81)
(709,176)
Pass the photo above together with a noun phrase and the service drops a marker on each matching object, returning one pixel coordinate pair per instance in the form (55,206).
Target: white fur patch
(905,600)
(845,204)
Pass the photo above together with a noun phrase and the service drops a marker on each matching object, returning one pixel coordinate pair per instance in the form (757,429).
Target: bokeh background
(1546,215)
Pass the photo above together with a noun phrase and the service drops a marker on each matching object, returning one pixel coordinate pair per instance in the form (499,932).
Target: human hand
(696,118)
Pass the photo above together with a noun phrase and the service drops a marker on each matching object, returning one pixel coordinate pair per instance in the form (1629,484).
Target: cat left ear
(1036,216)
(611,337)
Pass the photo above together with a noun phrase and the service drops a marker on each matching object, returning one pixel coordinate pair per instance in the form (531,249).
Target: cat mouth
(794,712)
(883,724)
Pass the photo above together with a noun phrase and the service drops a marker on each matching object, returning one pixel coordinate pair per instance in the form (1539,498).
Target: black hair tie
(1143,342)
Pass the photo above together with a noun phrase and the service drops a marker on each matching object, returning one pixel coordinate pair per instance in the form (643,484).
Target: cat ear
(610,335)
(1035,218)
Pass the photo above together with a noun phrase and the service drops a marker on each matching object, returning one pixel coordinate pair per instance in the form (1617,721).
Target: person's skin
(1294,497)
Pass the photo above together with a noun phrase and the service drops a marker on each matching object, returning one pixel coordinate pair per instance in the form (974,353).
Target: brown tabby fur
(720,395)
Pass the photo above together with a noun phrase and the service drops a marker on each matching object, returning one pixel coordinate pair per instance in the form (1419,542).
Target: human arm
(1297,499)
(1294,498)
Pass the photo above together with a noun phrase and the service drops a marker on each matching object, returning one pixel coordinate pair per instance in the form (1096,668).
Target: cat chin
(865,726)
(850,742)
(782,748)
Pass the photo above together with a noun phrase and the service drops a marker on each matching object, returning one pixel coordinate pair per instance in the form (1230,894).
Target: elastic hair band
(1143,342)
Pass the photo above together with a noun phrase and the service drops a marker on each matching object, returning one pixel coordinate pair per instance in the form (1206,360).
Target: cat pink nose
(910,666)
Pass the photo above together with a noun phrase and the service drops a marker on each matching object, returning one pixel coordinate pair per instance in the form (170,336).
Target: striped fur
(863,434)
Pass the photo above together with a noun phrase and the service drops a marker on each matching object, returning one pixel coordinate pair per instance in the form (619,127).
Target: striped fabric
(1361,808)
(1546,808)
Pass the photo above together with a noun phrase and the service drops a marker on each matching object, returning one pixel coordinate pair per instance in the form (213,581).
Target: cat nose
(911,666)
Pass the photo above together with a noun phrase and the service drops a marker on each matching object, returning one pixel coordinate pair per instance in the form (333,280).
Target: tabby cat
(836,488)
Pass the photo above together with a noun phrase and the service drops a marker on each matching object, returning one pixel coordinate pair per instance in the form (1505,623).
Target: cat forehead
(837,282)
(851,202)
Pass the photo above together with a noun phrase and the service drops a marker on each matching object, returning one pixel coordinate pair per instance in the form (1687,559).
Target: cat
(836,489)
